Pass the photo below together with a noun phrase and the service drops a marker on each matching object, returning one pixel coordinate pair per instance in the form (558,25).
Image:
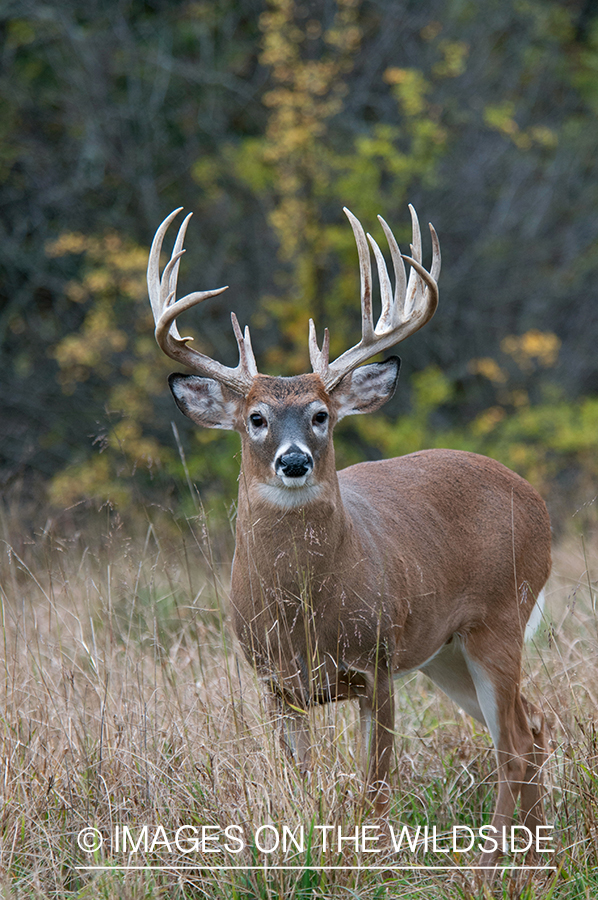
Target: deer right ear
(205,401)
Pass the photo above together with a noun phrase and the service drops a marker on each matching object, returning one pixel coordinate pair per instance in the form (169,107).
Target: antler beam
(166,309)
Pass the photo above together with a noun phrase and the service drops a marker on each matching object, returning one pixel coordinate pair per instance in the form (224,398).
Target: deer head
(286,423)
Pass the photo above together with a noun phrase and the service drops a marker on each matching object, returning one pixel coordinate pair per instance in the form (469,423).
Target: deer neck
(296,537)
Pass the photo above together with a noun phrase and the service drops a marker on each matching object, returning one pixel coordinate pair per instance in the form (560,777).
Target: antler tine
(436,257)
(414,291)
(154,284)
(246,357)
(399,268)
(365,273)
(429,296)
(166,309)
(385,289)
(428,300)
(417,235)
(318,358)
(251,363)
(177,252)
(413,304)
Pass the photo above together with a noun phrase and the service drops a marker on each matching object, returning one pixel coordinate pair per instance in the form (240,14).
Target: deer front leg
(376,710)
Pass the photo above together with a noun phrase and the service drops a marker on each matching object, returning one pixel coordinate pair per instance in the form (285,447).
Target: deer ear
(366,389)
(205,401)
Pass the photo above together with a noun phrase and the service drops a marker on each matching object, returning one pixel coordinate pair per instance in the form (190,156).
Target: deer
(341,580)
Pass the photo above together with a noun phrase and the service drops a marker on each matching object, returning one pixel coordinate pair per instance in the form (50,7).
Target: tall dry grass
(125,701)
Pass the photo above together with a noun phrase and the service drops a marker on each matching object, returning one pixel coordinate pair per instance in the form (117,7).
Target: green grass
(126,702)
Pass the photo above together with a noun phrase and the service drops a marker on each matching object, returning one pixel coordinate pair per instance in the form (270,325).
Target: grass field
(126,703)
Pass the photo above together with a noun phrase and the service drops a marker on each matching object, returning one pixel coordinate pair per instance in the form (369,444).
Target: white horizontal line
(269,868)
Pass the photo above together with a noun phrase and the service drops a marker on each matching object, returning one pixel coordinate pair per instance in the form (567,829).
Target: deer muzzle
(293,466)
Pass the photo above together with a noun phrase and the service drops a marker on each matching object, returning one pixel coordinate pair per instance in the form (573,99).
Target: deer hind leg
(515,725)
(532,806)
(517,730)
(376,713)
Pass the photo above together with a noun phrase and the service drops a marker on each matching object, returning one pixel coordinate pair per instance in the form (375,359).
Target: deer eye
(257,420)
(320,417)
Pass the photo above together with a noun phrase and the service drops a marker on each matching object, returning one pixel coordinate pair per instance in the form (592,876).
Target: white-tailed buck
(340,580)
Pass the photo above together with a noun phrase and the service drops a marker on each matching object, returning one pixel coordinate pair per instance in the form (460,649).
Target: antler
(162,293)
(412,306)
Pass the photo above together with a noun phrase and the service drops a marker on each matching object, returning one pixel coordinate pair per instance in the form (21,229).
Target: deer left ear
(366,389)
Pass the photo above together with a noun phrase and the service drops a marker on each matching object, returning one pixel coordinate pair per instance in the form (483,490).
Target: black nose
(295,464)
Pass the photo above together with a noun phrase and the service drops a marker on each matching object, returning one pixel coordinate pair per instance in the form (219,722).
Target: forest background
(124,697)
(264,119)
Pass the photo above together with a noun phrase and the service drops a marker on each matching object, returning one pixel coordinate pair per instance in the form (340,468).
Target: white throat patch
(289,497)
